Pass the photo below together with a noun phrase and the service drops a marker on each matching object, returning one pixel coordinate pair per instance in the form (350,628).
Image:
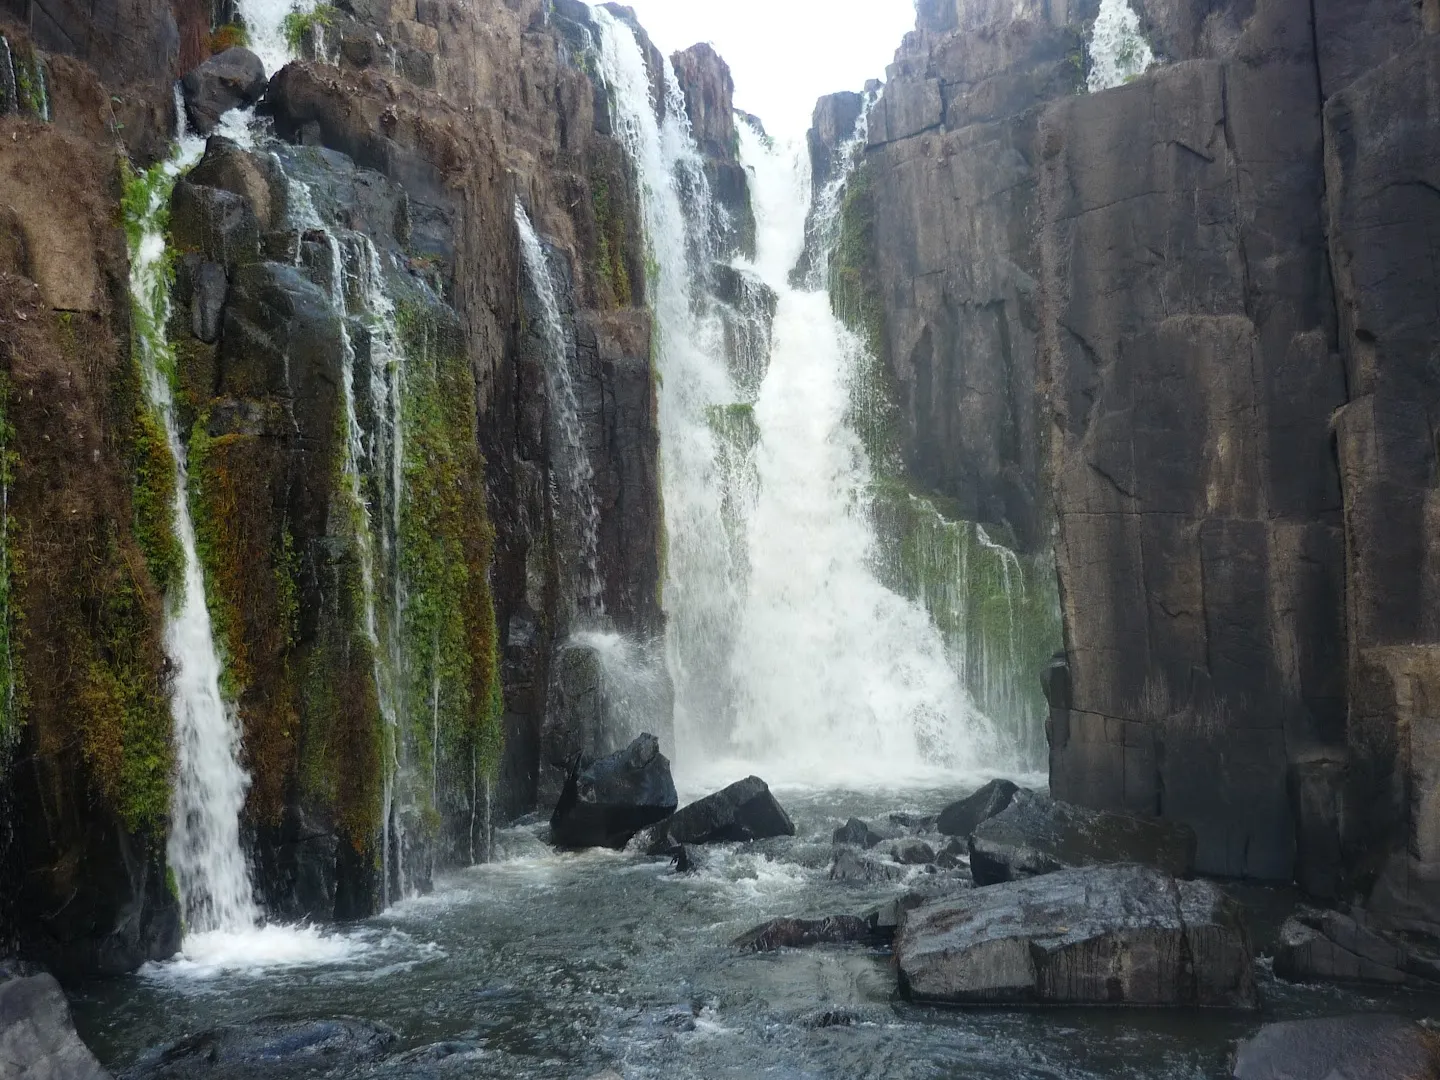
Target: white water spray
(265,28)
(1118,51)
(794,655)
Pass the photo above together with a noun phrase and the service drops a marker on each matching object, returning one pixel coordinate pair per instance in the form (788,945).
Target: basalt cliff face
(1182,332)
(382,223)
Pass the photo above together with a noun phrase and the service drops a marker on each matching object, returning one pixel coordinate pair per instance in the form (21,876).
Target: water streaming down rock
(266,28)
(210,785)
(1118,52)
(788,651)
(578,514)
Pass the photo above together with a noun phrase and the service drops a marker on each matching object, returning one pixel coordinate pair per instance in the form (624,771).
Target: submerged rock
(267,1050)
(608,801)
(856,832)
(1121,935)
(801,933)
(228,80)
(1039,835)
(37,1036)
(686,860)
(961,818)
(1365,1047)
(743,811)
(1332,946)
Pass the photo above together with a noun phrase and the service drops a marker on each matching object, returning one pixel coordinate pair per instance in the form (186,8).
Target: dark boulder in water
(606,802)
(856,832)
(37,1036)
(686,860)
(1101,935)
(1366,1047)
(849,865)
(1039,835)
(961,818)
(801,933)
(743,811)
(269,1049)
(911,851)
(228,80)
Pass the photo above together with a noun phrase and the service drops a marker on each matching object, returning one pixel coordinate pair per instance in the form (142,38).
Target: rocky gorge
(424,423)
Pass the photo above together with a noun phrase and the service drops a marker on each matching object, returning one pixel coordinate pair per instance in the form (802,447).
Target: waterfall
(790,652)
(209,785)
(578,509)
(1118,52)
(270,26)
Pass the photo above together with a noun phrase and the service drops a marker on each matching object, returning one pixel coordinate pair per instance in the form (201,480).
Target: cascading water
(266,23)
(1118,52)
(792,653)
(578,509)
(210,785)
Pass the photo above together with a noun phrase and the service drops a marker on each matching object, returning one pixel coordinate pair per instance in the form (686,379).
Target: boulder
(1334,947)
(686,860)
(912,851)
(743,811)
(608,801)
(961,818)
(267,1049)
(856,832)
(37,1036)
(257,178)
(228,80)
(1364,1047)
(1039,835)
(215,223)
(800,933)
(850,865)
(1117,935)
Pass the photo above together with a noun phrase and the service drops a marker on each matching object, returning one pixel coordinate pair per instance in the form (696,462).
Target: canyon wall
(378,235)
(1183,329)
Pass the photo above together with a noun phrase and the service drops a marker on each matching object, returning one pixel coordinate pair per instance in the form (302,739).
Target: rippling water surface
(564,965)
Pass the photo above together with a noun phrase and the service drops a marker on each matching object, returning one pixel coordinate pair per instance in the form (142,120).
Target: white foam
(212,953)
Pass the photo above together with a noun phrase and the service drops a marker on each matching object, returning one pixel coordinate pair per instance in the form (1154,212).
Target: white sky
(785,53)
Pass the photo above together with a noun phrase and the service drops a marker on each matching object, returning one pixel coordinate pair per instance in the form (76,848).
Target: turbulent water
(786,650)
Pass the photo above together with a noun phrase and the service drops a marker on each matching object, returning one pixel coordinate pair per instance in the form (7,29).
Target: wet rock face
(1038,835)
(608,801)
(1113,935)
(709,101)
(1338,1048)
(284,1049)
(37,1036)
(743,811)
(231,79)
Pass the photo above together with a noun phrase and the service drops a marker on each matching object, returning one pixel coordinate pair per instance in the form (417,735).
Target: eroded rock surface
(1100,935)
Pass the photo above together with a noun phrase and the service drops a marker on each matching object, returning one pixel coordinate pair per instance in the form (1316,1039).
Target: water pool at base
(559,965)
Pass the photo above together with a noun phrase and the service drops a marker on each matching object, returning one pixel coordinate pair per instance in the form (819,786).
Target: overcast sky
(785,53)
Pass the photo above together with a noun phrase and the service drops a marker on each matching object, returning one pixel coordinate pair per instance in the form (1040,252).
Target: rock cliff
(373,246)
(1183,327)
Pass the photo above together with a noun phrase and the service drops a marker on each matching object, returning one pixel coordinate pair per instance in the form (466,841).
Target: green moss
(228,36)
(452,693)
(153,498)
(611,270)
(299,24)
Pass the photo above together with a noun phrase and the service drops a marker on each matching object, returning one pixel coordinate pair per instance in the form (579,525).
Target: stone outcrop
(37,1036)
(1183,320)
(743,811)
(709,91)
(1039,835)
(1118,936)
(1331,946)
(608,801)
(963,817)
(1338,1048)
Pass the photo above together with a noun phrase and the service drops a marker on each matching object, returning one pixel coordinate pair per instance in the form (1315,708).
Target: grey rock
(227,80)
(1039,835)
(911,851)
(37,1036)
(218,224)
(850,865)
(608,801)
(207,301)
(257,178)
(1366,1047)
(802,933)
(1331,946)
(266,1049)
(961,818)
(743,811)
(856,832)
(1122,935)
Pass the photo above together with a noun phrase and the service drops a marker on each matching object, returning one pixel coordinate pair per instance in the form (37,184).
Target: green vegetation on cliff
(611,272)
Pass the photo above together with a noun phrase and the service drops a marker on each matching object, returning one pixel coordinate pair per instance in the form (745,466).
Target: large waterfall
(785,647)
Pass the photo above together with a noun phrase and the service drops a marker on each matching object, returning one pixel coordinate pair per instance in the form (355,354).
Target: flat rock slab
(1369,1047)
(1114,935)
(1039,835)
(37,1036)
(743,811)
